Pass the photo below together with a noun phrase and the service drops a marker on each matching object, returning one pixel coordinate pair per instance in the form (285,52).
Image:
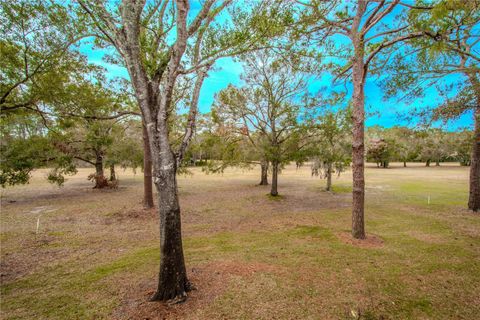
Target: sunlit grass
(88,251)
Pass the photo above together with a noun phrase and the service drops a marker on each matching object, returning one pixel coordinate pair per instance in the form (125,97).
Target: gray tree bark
(100,180)
(147,172)
(173,282)
(264,173)
(172,277)
(113,176)
(274,190)
(329,177)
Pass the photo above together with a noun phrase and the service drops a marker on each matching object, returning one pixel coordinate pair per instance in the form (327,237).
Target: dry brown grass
(95,254)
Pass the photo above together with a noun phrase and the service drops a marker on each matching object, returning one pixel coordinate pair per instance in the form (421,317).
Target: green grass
(427,266)
(63,292)
(278,197)
(339,188)
(440,193)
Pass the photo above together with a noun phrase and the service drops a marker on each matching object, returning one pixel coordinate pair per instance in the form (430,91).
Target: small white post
(428,199)
(38,224)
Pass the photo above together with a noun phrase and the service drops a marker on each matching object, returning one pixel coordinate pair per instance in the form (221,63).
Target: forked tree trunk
(154,96)
(474,194)
(358,146)
(147,172)
(329,177)
(274,190)
(264,177)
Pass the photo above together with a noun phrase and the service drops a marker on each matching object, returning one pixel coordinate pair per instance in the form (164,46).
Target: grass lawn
(95,253)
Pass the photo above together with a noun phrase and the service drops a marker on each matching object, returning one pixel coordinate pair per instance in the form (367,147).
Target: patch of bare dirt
(131,214)
(371,241)
(17,265)
(210,281)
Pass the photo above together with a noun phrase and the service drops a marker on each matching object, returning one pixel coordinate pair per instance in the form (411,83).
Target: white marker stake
(38,224)
(429,199)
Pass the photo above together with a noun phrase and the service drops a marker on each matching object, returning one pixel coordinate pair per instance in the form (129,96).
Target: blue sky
(226,71)
(382,112)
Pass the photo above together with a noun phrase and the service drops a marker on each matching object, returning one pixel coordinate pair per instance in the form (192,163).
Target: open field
(95,255)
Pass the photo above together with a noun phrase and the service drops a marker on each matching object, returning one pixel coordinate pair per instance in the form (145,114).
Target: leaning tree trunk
(264,177)
(147,172)
(100,180)
(329,177)
(274,190)
(358,145)
(474,194)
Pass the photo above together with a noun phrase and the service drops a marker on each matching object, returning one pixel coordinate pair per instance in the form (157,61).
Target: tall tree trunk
(358,145)
(437,163)
(474,194)
(154,95)
(427,164)
(329,177)
(264,177)
(100,180)
(274,190)
(404,164)
(172,278)
(147,172)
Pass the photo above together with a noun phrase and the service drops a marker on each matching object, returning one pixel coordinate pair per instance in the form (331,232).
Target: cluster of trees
(402,144)
(56,109)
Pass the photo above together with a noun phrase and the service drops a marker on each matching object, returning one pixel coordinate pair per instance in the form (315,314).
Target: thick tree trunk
(100,180)
(154,96)
(172,278)
(274,190)
(427,164)
(437,163)
(404,164)
(147,172)
(329,177)
(358,145)
(264,177)
(474,194)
